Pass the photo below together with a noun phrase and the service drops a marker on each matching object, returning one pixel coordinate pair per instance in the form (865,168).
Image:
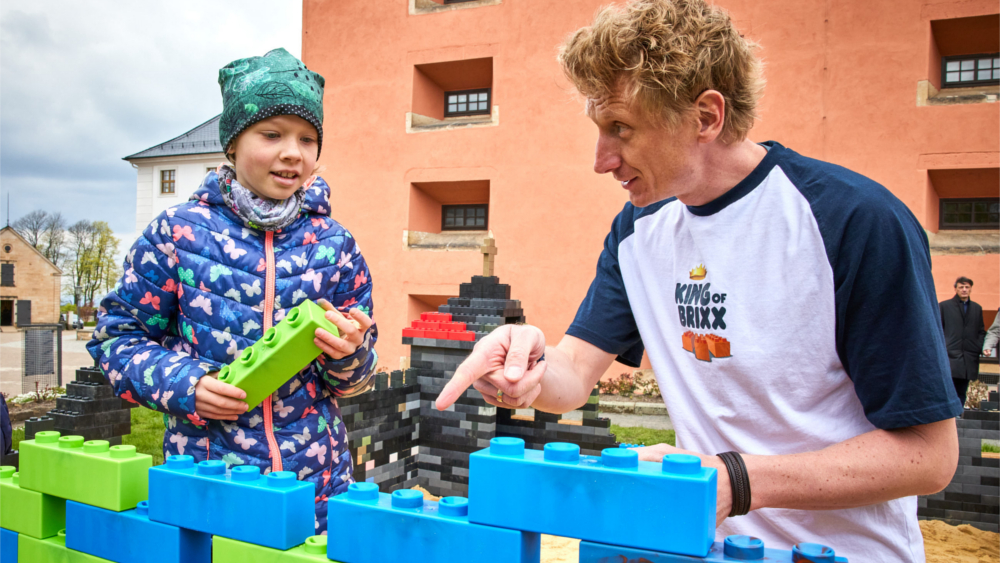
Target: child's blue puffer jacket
(196,285)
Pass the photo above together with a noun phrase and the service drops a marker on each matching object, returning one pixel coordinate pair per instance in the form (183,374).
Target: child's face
(275,156)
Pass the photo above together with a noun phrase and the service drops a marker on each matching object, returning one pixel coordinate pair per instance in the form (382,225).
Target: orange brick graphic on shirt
(688,341)
(705,346)
(701,348)
(718,346)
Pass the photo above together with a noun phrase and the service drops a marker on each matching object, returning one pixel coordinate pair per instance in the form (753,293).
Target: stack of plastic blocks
(438,326)
(284,351)
(25,513)
(590,494)
(266,517)
(412,529)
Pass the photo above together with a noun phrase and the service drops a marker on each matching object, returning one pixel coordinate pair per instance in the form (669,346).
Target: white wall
(190,171)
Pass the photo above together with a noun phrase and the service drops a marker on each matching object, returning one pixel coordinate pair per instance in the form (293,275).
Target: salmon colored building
(420,175)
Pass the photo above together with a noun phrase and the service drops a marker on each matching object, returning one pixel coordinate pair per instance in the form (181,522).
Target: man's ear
(710,107)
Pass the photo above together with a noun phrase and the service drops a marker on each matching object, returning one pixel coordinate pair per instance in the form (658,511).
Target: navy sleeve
(889,336)
(605,316)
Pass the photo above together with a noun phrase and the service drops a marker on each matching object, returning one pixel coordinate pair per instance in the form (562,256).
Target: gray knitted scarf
(257,212)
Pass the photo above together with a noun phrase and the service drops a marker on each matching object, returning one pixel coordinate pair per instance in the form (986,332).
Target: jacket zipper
(268,321)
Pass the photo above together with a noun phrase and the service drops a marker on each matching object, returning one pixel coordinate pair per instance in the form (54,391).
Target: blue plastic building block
(275,510)
(734,548)
(8,546)
(51,550)
(405,527)
(131,537)
(614,499)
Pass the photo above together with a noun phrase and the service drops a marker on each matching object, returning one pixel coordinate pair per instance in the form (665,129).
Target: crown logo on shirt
(699,273)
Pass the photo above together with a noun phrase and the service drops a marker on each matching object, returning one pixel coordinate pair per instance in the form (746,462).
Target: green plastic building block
(115,478)
(225,550)
(51,550)
(284,351)
(29,512)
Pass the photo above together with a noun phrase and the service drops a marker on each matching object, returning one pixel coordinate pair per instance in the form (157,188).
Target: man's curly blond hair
(664,54)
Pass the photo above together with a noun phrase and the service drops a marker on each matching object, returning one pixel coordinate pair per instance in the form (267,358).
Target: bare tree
(32,227)
(92,247)
(45,231)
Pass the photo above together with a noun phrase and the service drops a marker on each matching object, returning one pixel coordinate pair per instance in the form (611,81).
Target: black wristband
(739,482)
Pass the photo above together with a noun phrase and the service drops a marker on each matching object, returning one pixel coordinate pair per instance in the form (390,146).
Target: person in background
(992,337)
(964,332)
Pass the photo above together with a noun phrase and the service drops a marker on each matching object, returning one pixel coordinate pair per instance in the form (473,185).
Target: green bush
(991,448)
(628,384)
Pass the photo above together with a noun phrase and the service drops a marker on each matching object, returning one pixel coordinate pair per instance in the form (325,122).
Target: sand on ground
(943,543)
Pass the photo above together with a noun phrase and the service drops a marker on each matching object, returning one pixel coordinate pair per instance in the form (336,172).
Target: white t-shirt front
(794,312)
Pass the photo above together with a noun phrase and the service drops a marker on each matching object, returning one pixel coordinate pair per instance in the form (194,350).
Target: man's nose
(606,157)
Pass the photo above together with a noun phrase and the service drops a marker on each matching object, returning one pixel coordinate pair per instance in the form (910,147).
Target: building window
(467,102)
(970,70)
(979,213)
(464,217)
(7,275)
(167,181)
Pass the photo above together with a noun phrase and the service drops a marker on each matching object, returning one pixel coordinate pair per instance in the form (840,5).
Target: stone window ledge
(420,7)
(416,123)
(962,242)
(928,95)
(445,241)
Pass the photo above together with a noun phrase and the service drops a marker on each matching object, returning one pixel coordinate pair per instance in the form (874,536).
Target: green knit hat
(256,88)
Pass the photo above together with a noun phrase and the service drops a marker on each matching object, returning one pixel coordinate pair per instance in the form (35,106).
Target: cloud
(85,83)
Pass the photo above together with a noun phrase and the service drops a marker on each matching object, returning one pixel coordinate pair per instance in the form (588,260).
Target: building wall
(854,85)
(190,171)
(35,279)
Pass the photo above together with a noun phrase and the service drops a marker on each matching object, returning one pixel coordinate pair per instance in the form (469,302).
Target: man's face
(275,156)
(651,159)
(963,290)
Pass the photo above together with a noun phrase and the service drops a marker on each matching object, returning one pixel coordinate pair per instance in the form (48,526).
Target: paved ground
(74,355)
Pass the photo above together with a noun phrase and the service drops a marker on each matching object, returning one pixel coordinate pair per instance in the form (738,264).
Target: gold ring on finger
(499,395)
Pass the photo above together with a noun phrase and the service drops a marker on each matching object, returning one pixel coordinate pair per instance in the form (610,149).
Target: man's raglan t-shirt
(794,312)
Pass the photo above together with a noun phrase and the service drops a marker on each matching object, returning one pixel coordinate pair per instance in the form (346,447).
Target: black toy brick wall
(382,431)
(973,497)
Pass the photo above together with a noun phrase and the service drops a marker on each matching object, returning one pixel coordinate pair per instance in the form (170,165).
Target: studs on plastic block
(407,498)
(180,462)
(316,545)
(620,458)
(681,464)
(96,446)
(282,479)
(743,547)
(512,447)
(454,506)
(211,467)
(562,452)
(362,491)
(245,473)
(71,442)
(812,553)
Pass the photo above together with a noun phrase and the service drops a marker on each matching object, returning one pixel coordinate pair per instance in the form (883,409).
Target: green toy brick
(51,550)
(284,351)
(225,550)
(110,477)
(29,512)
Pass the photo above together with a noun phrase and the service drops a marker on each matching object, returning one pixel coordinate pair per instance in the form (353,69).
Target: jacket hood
(317,200)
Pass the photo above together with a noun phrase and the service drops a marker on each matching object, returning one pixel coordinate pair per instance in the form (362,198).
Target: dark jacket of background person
(963,336)
(6,431)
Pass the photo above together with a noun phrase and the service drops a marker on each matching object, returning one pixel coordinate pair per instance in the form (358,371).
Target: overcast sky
(84,83)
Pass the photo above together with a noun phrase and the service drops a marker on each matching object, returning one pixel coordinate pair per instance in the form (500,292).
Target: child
(208,277)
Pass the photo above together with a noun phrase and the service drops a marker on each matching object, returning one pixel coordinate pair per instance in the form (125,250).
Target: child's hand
(217,400)
(352,331)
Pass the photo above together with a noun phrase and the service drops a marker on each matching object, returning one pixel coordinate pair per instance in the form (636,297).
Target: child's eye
(271,135)
(308,140)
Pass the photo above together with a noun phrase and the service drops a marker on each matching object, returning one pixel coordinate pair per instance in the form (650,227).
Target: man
(765,287)
(964,335)
(992,337)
